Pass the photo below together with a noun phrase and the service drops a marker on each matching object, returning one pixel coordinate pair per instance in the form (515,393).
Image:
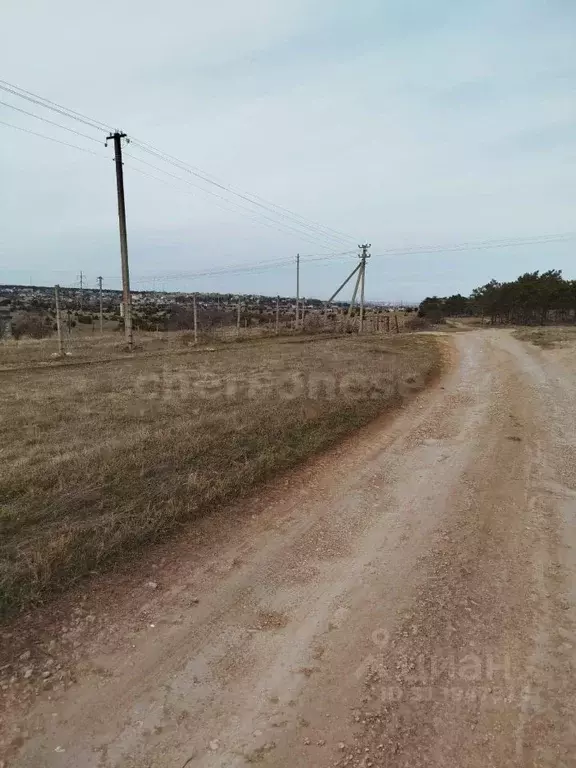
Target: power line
(49,138)
(50,122)
(296,219)
(279,225)
(54,106)
(260,266)
(481,245)
(253,199)
(256,266)
(251,269)
(315,230)
(275,225)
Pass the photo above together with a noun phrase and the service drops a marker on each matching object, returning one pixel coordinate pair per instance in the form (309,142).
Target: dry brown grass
(547,337)
(80,347)
(98,459)
(83,345)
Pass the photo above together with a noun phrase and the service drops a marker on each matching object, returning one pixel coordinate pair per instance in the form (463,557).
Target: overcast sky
(403,122)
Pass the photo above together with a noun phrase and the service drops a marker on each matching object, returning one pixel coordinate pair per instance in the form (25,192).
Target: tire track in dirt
(480,670)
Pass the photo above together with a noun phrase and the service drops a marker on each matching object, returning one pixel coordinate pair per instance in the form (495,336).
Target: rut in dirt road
(407,600)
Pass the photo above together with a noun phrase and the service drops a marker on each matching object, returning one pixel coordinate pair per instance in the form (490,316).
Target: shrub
(31,325)
(417,323)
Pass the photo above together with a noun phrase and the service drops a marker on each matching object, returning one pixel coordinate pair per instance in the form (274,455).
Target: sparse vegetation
(418,323)
(549,337)
(33,326)
(99,459)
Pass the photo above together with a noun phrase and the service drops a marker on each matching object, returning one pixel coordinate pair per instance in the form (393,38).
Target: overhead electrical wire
(252,215)
(238,268)
(290,221)
(16,90)
(222,208)
(50,138)
(286,262)
(480,245)
(253,199)
(298,221)
(261,266)
(50,122)
(280,225)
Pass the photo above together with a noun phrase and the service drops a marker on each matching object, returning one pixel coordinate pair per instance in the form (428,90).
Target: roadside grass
(83,346)
(98,460)
(547,337)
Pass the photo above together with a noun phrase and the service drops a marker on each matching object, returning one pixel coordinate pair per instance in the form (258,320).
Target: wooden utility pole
(81,290)
(238,319)
(297,287)
(277,315)
(195,319)
(101,306)
(127,299)
(58,324)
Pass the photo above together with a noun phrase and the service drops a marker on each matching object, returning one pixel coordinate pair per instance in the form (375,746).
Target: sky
(403,123)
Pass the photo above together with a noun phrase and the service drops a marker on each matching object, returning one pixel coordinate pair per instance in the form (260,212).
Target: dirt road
(406,600)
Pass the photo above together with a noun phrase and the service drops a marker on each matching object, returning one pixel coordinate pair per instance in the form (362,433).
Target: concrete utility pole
(297,287)
(357,285)
(81,290)
(58,325)
(238,319)
(337,291)
(127,299)
(360,272)
(101,307)
(363,256)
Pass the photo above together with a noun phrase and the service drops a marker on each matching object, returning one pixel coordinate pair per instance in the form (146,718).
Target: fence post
(277,315)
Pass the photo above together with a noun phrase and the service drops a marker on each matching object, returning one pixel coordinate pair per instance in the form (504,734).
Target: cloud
(402,122)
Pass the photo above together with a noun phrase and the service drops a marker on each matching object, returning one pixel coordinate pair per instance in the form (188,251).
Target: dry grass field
(548,337)
(83,344)
(105,454)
